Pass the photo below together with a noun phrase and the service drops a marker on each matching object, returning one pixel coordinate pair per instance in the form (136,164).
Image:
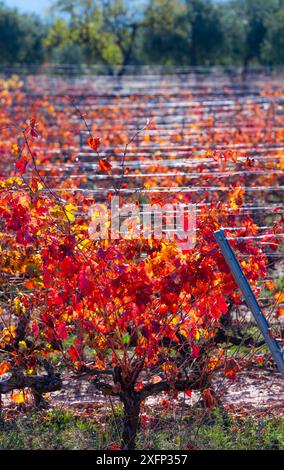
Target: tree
(206,32)
(106,31)
(118,33)
(233,30)
(21,37)
(273,44)
(165,36)
(138,316)
(254,16)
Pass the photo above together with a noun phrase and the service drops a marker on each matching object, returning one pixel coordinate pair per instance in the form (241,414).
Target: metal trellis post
(250,298)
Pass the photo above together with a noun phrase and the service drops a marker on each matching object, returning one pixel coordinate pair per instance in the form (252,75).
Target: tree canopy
(161,32)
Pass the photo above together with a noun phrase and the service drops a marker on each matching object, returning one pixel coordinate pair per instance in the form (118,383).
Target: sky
(30,6)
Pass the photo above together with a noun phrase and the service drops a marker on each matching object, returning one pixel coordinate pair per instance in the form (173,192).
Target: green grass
(49,430)
(61,429)
(215,433)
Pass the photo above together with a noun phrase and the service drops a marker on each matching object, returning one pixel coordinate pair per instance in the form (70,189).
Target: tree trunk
(41,384)
(130,420)
(40,402)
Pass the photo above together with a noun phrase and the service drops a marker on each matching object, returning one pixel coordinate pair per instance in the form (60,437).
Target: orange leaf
(280,312)
(230,155)
(4,367)
(105,165)
(156,379)
(35,185)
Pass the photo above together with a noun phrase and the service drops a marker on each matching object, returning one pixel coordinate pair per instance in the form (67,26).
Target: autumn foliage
(138,316)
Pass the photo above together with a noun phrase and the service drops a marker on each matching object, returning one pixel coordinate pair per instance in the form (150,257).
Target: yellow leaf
(70,209)
(23,345)
(18,307)
(19,396)
(7,335)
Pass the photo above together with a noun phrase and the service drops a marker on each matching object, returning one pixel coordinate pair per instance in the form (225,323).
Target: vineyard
(140,330)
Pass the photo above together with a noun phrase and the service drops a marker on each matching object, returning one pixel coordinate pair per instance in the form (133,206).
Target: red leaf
(21,165)
(73,353)
(35,329)
(231,368)
(222,305)
(31,129)
(84,280)
(194,351)
(115,447)
(94,143)
(61,331)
